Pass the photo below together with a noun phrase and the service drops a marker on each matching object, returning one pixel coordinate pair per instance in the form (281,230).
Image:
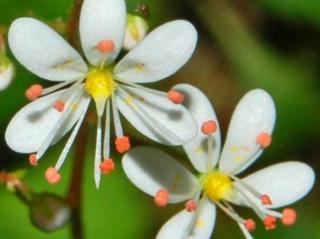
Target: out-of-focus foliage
(294,10)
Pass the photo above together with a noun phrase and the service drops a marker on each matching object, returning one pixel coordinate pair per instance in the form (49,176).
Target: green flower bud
(48,212)
(136,30)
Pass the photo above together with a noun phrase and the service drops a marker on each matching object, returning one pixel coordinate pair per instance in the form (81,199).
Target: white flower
(46,120)
(6,74)
(159,175)
(136,30)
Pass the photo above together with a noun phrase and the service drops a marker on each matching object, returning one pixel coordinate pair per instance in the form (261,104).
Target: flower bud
(136,29)
(6,72)
(48,212)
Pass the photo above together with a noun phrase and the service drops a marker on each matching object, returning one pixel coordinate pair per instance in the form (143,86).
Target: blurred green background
(243,44)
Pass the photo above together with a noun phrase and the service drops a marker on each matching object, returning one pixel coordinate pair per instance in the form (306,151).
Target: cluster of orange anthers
(289,217)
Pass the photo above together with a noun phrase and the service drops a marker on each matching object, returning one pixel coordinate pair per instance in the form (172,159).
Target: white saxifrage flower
(113,87)
(160,176)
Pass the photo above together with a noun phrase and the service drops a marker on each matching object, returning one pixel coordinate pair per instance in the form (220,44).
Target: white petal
(151,169)
(200,107)
(30,127)
(254,114)
(160,54)
(186,225)
(6,76)
(45,53)
(285,183)
(102,20)
(155,116)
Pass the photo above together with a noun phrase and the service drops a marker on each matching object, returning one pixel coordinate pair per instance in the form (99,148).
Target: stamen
(59,105)
(250,225)
(162,198)
(191,205)
(73,98)
(264,140)
(134,85)
(246,186)
(122,144)
(209,127)
(97,158)
(266,200)
(33,92)
(175,97)
(149,120)
(107,166)
(230,211)
(52,176)
(72,137)
(289,216)
(270,222)
(105,46)
(106,139)
(57,87)
(116,117)
(33,160)
(247,194)
(210,152)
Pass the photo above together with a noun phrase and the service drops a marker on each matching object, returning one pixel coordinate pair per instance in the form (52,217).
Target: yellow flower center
(100,84)
(217,185)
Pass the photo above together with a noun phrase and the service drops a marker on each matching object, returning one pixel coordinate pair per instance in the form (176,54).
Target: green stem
(75,188)
(73,23)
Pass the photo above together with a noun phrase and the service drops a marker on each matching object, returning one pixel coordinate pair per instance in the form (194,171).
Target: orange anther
(59,105)
(264,140)
(266,200)
(191,205)
(175,97)
(250,225)
(209,127)
(289,216)
(105,46)
(52,175)
(162,198)
(33,160)
(122,144)
(270,222)
(33,92)
(107,166)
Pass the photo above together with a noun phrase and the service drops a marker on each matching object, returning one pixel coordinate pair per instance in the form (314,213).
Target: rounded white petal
(102,20)
(186,225)
(151,169)
(160,54)
(155,116)
(255,114)
(45,53)
(6,76)
(31,126)
(200,108)
(285,183)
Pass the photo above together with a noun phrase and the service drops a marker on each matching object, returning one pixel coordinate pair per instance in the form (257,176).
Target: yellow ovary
(100,84)
(217,186)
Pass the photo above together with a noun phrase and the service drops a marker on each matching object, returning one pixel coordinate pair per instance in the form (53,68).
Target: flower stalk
(75,187)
